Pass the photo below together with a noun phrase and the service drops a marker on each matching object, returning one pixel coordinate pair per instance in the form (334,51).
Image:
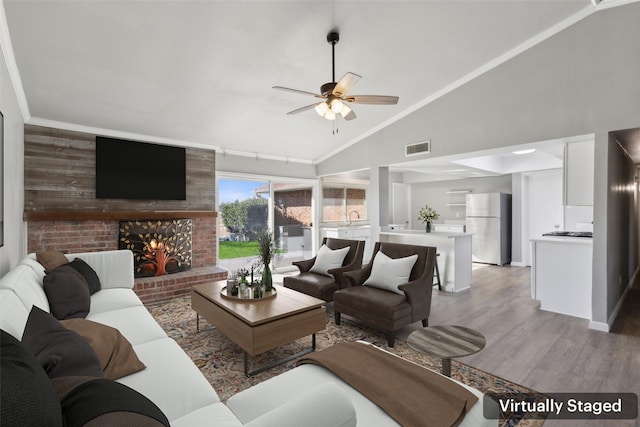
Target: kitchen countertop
(564,239)
(345,227)
(452,234)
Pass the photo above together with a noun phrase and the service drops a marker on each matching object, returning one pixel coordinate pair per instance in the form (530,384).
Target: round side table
(445,342)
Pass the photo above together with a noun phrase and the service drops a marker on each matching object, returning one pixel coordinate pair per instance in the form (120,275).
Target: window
(343,203)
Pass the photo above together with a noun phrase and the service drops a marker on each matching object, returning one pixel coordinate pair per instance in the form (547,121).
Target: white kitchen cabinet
(578,173)
(454,228)
(355,232)
(454,248)
(561,277)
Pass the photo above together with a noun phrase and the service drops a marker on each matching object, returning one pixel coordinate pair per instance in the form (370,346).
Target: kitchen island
(454,248)
(561,274)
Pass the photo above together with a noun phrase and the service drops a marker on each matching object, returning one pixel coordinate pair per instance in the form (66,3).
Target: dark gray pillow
(61,352)
(27,397)
(88,273)
(67,292)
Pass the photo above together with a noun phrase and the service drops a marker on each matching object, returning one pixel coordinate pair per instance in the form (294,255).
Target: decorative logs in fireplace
(159,246)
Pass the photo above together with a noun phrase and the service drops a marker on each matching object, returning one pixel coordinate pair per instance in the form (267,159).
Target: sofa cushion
(27,397)
(387,273)
(51,259)
(31,261)
(326,405)
(27,285)
(326,259)
(215,414)
(105,403)
(135,323)
(61,352)
(88,274)
(113,299)
(169,373)
(114,268)
(116,355)
(257,400)
(13,315)
(67,292)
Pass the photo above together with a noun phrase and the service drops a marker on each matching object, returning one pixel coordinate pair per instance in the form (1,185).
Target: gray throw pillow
(67,292)
(60,351)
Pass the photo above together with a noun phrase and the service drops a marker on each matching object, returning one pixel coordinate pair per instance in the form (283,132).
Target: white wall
(435,195)
(263,167)
(542,207)
(13,171)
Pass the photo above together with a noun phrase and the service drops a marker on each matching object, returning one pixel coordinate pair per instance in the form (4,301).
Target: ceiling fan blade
(345,84)
(373,99)
(348,116)
(300,110)
(301,92)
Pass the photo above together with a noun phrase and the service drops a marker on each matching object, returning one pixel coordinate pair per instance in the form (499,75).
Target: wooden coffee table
(445,342)
(259,326)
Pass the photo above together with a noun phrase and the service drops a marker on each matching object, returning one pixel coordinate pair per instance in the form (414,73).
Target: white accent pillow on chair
(387,273)
(326,259)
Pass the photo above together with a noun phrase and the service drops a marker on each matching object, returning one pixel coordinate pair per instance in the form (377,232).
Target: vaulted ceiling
(201,72)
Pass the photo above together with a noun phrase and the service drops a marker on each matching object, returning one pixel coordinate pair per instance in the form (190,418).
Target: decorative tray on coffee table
(250,298)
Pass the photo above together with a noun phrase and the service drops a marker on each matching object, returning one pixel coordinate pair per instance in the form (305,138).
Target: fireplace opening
(159,247)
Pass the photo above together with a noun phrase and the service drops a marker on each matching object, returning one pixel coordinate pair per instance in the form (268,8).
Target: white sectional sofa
(305,396)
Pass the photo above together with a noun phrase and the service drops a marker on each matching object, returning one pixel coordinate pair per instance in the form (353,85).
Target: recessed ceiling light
(527,151)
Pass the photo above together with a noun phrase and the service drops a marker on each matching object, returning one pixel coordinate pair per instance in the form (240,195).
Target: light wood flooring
(545,351)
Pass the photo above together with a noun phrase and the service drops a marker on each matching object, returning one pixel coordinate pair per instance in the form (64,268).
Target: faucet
(355,212)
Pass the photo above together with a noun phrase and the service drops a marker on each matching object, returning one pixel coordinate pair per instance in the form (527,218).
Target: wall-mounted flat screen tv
(138,170)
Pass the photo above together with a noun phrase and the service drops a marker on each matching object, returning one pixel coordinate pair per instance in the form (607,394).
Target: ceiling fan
(334,94)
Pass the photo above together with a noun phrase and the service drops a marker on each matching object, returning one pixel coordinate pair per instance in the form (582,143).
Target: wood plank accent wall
(63,213)
(60,175)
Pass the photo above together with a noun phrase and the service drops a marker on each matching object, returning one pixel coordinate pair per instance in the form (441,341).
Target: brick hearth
(160,288)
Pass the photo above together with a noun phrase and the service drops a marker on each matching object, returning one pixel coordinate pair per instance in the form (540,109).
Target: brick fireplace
(63,212)
(71,232)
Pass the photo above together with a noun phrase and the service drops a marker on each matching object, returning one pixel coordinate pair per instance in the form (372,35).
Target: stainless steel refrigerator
(489,221)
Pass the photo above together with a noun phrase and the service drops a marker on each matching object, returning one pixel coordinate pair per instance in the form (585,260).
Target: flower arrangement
(427,214)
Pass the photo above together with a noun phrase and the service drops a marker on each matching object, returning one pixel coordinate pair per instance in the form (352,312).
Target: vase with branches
(427,215)
(266,252)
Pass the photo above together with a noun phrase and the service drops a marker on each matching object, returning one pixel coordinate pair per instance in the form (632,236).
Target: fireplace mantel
(112,215)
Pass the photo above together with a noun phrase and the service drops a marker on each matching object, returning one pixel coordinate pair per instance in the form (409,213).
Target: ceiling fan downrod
(333,38)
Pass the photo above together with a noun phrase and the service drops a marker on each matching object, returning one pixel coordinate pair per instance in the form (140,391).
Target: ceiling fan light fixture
(337,105)
(322,108)
(330,115)
(334,93)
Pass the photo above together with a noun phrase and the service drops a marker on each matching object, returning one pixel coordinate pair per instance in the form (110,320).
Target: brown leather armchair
(384,310)
(319,285)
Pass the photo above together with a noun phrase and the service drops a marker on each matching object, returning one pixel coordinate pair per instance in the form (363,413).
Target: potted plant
(266,252)
(427,215)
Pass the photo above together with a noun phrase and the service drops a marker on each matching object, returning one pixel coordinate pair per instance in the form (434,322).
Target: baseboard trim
(519,264)
(606,327)
(598,326)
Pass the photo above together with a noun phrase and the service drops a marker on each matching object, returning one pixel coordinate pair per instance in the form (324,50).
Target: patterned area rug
(222,361)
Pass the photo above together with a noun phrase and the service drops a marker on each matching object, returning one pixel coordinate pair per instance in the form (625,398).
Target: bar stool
(438,274)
